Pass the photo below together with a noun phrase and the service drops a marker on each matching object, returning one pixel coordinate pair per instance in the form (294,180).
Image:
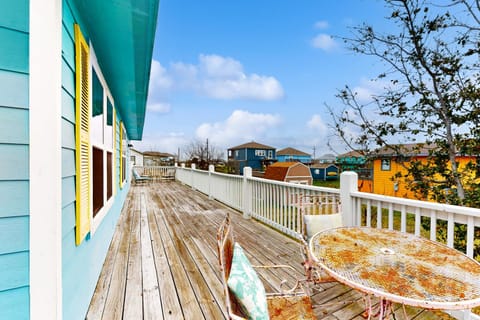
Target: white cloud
(368,89)
(159,85)
(324,41)
(316,123)
(321,24)
(215,66)
(162,142)
(160,107)
(223,78)
(159,79)
(241,126)
(252,87)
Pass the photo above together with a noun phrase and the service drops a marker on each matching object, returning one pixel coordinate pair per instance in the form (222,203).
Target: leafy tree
(431,94)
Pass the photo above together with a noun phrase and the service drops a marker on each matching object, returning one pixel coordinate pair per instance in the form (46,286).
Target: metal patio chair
(318,214)
(287,304)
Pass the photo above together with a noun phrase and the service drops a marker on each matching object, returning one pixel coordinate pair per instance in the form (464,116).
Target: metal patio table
(398,267)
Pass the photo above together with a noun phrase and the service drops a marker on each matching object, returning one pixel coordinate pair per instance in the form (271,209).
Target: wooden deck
(162,262)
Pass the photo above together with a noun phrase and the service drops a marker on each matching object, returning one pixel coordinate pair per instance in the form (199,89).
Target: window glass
(385,164)
(97,184)
(97,110)
(109,175)
(109,126)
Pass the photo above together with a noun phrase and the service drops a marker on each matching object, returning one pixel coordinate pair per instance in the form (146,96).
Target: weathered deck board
(162,262)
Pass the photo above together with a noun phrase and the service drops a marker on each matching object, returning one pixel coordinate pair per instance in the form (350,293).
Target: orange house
(386,164)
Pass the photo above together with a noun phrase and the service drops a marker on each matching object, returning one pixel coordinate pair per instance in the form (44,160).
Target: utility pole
(314,152)
(207,152)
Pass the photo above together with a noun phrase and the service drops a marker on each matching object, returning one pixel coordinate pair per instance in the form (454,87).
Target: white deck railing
(278,204)
(157,172)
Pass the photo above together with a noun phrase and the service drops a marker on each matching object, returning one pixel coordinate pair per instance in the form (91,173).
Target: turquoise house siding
(14,160)
(81,265)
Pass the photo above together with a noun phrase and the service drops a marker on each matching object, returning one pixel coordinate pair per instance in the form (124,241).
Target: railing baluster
(450,229)
(369,213)
(417,221)
(470,235)
(433,225)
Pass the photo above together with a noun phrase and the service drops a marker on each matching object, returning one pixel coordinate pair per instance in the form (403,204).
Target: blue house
(251,154)
(293,155)
(324,171)
(74,78)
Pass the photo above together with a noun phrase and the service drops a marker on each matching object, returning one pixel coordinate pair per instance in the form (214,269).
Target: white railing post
(247,195)
(348,184)
(211,168)
(192,172)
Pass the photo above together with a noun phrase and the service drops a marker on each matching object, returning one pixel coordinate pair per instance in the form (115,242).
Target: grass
(328,183)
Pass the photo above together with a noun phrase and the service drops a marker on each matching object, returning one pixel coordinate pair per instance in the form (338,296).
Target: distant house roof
(135,150)
(158,154)
(291,152)
(353,153)
(322,165)
(278,171)
(408,149)
(252,145)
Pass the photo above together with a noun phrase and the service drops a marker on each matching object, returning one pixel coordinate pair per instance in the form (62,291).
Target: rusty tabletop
(399,267)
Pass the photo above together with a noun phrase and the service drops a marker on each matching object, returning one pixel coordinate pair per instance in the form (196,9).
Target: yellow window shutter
(82,136)
(114,151)
(120,127)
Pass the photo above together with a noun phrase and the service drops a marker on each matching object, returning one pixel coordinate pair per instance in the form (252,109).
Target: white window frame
(260,153)
(385,164)
(107,204)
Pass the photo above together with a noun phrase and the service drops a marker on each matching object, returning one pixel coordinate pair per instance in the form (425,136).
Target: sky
(254,70)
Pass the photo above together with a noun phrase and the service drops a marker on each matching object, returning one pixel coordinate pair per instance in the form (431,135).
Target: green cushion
(247,287)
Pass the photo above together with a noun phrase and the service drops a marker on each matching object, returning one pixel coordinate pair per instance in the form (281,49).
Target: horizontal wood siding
(81,265)
(14,161)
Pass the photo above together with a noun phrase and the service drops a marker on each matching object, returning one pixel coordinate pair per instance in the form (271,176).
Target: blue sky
(253,70)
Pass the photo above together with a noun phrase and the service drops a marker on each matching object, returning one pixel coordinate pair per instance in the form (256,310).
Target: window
(95,118)
(270,153)
(123,154)
(101,135)
(260,153)
(385,165)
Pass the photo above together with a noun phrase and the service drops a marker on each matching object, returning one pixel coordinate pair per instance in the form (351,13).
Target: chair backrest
(225,245)
(320,216)
(135,174)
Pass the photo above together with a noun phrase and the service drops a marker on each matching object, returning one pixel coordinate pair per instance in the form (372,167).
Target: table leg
(382,312)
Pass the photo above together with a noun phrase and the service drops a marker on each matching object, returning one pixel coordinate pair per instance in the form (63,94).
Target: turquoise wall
(14,167)
(81,265)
